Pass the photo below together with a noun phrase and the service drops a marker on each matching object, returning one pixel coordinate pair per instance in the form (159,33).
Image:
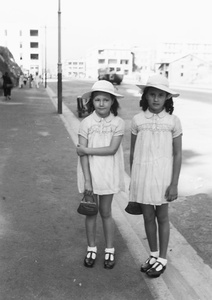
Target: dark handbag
(88,206)
(134,208)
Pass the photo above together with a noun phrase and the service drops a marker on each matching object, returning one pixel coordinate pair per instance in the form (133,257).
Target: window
(33,56)
(100,51)
(74,63)
(5,32)
(112,61)
(124,61)
(33,32)
(20,32)
(181,74)
(33,45)
(101,61)
(21,45)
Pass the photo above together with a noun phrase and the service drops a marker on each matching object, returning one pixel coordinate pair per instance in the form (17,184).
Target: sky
(89,23)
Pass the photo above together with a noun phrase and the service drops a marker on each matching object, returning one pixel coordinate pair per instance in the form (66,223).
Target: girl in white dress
(155,161)
(101,167)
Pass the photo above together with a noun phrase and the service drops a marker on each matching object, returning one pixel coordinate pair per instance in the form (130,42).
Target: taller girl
(155,161)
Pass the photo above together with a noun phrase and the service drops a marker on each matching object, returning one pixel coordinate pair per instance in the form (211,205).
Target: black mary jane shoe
(146,266)
(89,261)
(109,263)
(153,272)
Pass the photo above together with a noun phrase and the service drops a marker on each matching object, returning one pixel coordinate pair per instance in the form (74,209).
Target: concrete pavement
(43,241)
(42,237)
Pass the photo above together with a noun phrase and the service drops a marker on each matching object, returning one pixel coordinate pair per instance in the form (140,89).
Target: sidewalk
(42,237)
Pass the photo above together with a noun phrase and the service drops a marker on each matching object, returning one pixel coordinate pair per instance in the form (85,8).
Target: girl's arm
(85,166)
(172,190)
(101,151)
(132,148)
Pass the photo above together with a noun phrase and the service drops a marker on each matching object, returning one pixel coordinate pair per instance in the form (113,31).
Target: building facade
(114,58)
(26,45)
(74,68)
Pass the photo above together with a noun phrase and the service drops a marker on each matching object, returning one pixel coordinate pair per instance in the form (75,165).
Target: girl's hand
(88,187)
(171,193)
(81,150)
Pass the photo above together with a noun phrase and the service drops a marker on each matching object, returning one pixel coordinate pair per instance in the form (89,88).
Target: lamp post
(45,61)
(59,75)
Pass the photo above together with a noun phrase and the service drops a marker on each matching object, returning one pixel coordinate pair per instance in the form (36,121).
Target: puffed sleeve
(177,129)
(119,130)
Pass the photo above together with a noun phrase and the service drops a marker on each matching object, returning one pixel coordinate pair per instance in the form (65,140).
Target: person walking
(7,86)
(155,162)
(101,164)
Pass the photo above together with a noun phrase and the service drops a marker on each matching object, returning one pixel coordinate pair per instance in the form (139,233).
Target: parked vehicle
(110,74)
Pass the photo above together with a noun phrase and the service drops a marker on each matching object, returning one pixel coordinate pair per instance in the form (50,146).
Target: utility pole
(59,75)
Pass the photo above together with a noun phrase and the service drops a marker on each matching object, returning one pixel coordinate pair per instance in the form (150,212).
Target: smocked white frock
(153,156)
(107,172)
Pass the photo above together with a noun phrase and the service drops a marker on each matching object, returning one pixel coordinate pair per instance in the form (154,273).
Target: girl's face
(156,99)
(102,103)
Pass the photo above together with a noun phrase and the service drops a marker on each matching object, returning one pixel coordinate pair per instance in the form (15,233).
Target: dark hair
(169,104)
(114,108)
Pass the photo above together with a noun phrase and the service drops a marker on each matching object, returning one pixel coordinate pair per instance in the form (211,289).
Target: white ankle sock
(93,249)
(154,253)
(163,261)
(109,250)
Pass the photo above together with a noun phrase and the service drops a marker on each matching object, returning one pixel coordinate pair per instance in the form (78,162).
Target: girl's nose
(101,102)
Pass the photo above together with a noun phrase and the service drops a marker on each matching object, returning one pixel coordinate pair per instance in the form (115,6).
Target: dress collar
(99,119)
(149,114)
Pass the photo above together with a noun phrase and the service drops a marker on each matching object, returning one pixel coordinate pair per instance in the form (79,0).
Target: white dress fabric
(107,172)
(153,156)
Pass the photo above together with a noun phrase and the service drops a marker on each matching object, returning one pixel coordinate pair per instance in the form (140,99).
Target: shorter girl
(155,161)
(101,167)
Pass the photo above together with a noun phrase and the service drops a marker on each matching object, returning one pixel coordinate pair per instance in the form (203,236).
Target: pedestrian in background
(155,161)
(21,81)
(101,164)
(7,86)
(31,81)
(37,80)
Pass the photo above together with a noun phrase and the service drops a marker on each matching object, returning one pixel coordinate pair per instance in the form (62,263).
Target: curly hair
(114,108)
(169,104)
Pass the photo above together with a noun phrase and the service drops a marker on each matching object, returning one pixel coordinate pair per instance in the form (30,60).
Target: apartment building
(26,45)
(116,59)
(74,68)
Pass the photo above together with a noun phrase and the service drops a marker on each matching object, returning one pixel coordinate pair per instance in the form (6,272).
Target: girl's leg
(108,226)
(163,229)
(90,225)
(105,202)
(150,226)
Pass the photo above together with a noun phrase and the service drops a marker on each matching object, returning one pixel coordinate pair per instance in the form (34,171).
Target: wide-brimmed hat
(159,82)
(102,86)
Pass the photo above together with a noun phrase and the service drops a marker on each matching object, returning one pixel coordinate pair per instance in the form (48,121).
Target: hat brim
(160,87)
(87,95)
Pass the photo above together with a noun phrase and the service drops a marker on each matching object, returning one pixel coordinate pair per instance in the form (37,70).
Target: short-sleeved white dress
(153,156)
(107,172)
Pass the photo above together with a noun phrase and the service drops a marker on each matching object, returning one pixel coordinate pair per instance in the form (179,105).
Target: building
(117,59)
(190,69)
(74,68)
(26,45)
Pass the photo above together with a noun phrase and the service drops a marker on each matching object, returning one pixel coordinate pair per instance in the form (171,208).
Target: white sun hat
(102,86)
(159,82)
